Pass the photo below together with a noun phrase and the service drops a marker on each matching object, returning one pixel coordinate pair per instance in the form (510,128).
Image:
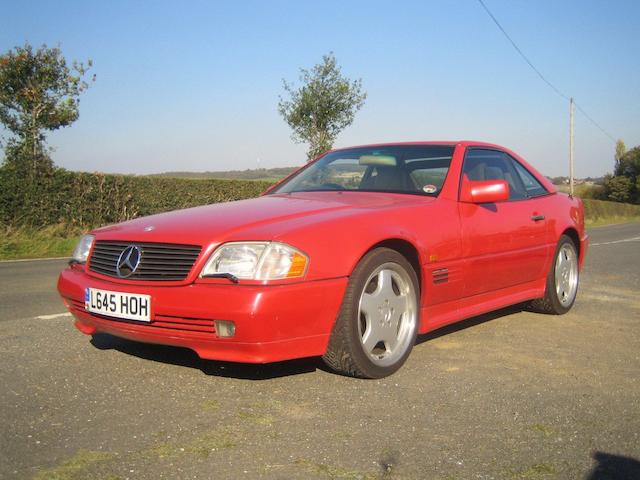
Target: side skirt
(436,316)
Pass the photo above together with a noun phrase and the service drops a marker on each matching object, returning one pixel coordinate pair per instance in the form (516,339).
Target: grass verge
(48,242)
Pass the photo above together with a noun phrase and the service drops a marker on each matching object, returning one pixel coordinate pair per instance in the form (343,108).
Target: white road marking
(55,315)
(633,239)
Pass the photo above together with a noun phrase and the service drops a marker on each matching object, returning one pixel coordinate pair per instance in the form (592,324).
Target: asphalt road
(28,289)
(503,396)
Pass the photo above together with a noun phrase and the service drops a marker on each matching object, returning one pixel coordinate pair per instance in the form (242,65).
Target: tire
(378,320)
(562,281)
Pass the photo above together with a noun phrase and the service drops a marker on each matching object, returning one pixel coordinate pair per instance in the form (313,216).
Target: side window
(532,186)
(483,164)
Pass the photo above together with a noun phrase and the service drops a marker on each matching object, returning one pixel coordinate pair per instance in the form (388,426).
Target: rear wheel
(378,321)
(562,281)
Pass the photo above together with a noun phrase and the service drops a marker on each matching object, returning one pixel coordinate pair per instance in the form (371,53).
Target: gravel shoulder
(507,395)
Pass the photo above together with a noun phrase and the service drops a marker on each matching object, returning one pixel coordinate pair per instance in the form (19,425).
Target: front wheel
(562,281)
(378,321)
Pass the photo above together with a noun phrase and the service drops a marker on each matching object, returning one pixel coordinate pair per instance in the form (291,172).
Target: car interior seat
(384,178)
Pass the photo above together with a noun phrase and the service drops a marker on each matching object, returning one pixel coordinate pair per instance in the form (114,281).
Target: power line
(495,20)
(594,122)
(542,77)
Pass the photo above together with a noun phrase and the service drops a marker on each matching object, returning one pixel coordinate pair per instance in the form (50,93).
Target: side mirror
(484,191)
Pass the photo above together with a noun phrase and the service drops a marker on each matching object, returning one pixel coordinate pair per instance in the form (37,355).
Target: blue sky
(194,85)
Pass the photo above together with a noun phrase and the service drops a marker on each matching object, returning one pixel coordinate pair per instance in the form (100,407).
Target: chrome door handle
(537,218)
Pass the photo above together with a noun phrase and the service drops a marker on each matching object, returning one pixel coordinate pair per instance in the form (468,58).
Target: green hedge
(600,211)
(92,199)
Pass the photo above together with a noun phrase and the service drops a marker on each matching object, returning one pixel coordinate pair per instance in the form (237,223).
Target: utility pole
(571,147)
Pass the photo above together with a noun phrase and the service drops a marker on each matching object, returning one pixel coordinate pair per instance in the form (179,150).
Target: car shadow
(470,322)
(185,357)
(188,358)
(614,467)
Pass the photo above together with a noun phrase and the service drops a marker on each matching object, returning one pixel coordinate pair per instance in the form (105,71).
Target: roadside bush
(594,191)
(597,211)
(91,199)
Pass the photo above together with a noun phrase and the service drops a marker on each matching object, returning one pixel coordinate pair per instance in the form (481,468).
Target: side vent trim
(440,276)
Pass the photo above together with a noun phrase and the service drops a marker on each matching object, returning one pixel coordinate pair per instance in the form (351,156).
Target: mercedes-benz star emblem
(128,261)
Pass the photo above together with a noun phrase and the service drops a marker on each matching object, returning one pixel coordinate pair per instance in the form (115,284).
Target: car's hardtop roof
(446,143)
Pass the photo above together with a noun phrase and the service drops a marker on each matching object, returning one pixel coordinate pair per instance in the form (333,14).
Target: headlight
(256,261)
(82,249)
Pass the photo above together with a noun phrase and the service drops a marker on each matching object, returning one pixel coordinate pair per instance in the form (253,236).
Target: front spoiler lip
(206,348)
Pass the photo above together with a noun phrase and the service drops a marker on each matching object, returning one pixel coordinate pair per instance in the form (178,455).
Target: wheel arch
(345,351)
(572,233)
(405,248)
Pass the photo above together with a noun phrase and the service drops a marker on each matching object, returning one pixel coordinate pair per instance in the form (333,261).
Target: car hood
(262,218)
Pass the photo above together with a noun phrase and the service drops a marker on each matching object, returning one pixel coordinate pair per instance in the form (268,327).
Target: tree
(323,106)
(618,188)
(624,185)
(38,93)
(621,149)
(631,169)
(629,164)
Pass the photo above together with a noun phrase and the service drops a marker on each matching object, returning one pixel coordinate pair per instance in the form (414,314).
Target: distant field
(260,174)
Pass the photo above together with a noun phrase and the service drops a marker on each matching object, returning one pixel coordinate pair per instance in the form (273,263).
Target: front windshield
(415,169)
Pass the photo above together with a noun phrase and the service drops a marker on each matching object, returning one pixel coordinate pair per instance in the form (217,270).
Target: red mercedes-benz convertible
(349,258)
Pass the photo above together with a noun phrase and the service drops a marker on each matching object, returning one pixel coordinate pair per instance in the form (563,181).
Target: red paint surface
(495,254)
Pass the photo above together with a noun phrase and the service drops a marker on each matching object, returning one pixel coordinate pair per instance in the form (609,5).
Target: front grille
(158,261)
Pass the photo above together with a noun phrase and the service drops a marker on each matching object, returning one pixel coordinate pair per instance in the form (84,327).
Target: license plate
(127,306)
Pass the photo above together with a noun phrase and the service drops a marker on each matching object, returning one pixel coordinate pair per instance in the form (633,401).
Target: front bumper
(273,323)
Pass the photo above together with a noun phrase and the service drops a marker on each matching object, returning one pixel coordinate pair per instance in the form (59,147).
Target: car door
(506,243)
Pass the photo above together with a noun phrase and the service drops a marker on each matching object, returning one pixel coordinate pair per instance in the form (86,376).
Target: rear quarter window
(531,185)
